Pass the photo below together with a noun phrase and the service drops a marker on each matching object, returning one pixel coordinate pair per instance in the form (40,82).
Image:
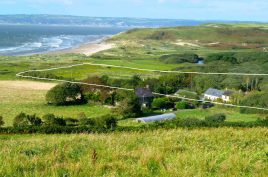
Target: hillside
(211,36)
(181,152)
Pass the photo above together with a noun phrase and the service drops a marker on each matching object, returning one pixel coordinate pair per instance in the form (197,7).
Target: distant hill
(96,21)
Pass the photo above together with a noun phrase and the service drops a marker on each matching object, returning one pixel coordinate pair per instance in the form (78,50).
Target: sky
(242,10)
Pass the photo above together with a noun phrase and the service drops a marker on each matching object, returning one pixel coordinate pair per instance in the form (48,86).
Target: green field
(16,99)
(181,152)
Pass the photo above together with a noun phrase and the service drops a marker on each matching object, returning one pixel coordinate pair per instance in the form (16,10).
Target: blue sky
(245,10)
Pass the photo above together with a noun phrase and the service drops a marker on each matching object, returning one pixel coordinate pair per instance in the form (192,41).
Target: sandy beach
(89,49)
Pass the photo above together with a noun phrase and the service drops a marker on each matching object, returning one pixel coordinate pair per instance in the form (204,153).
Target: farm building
(214,94)
(145,96)
(157,118)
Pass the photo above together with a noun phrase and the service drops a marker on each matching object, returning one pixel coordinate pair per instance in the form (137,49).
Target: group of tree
(180,58)
(50,120)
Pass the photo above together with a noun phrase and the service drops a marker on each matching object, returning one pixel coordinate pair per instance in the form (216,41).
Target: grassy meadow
(180,152)
(22,96)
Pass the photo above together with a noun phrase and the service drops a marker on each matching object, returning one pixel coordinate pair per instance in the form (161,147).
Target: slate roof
(228,93)
(144,92)
(214,92)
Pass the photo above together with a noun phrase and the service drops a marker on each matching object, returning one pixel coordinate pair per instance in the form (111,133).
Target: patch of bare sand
(90,49)
(26,85)
(185,43)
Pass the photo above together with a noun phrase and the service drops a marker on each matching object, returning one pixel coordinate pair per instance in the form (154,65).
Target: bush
(20,120)
(180,58)
(181,105)
(256,99)
(191,122)
(108,122)
(1,121)
(162,103)
(23,119)
(71,121)
(34,120)
(65,94)
(217,118)
(129,107)
(87,122)
(51,119)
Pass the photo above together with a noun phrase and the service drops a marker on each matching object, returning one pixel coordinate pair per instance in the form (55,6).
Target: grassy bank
(181,152)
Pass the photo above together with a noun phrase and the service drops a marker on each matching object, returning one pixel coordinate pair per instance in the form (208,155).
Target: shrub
(23,119)
(181,105)
(256,99)
(51,119)
(1,121)
(65,94)
(180,58)
(108,122)
(217,118)
(191,122)
(87,122)
(162,103)
(129,107)
(71,121)
(34,120)
(20,120)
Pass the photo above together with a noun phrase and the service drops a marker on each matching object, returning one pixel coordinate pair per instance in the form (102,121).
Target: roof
(143,92)
(214,92)
(228,93)
(157,118)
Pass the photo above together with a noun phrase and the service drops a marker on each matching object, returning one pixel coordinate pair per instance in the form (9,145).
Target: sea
(23,40)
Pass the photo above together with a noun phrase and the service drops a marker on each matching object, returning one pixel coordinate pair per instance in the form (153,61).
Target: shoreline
(89,48)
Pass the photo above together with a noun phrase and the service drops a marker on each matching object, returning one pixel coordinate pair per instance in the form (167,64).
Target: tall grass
(181,152)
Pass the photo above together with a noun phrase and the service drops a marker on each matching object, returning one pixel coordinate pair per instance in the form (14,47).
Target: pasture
(29,97)
(180,152)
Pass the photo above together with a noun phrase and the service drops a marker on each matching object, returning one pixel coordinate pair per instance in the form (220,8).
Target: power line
(21,74)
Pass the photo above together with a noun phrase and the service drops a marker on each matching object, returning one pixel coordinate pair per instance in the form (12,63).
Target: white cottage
(214,94)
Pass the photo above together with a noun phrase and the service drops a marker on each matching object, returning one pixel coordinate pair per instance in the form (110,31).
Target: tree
(65,94)
(1,121)
(181,105)
(20,120)
(162,103)
(135,81)
(129,107)
(255,99)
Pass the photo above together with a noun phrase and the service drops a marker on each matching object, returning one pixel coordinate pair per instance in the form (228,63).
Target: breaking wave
(50,43)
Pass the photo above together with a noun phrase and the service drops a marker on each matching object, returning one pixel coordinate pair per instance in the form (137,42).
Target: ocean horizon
(23,40)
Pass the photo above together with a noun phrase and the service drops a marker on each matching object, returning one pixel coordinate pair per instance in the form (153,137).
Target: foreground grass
(181,152)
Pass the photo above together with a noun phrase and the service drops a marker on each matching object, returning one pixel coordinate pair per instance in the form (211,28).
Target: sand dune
(90,49)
